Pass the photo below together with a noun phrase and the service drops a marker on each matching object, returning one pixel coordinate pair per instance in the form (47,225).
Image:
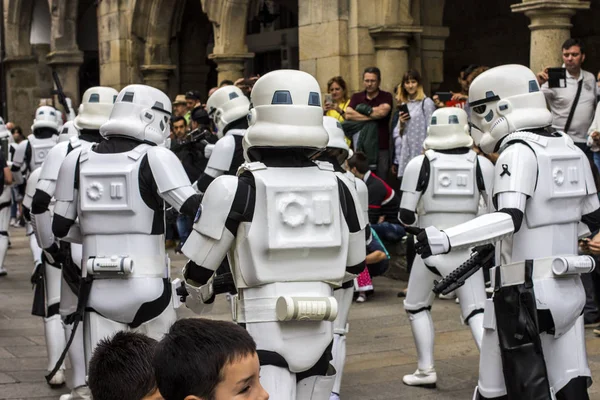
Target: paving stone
(380,343)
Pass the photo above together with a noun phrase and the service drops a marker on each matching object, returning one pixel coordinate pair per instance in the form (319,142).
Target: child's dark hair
(359,161)
(121,367)
(189,360)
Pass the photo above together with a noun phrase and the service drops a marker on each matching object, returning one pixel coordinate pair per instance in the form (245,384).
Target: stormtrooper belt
(285,308)
(543,268)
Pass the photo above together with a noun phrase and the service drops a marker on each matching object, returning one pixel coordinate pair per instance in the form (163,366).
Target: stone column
(157,75)
(66,63)
(230,65)
(391,52)
(433,43)
(550,27)
(22,92)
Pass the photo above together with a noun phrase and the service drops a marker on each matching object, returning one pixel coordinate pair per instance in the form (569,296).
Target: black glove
(38,274)
(182,292)
(422,245)
(54,255)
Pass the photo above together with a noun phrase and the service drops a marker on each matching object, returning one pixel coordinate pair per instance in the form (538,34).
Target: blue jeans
(184,227)
(597,160)
(388,232)
(13,206)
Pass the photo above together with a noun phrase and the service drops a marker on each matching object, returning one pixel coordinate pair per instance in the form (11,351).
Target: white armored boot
(79,391)
(422,328)
(55,343)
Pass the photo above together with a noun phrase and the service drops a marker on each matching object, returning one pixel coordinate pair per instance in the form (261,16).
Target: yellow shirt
(339,117)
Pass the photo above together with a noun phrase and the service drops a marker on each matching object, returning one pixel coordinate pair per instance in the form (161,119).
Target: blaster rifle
(62,99)
(482,256)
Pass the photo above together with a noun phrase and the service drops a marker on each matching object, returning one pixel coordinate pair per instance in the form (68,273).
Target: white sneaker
(334,396)
(79,393)
(58,380)
(426,379)
(13,222)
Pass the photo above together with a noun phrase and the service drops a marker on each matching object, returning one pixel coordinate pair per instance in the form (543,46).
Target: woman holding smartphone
(336,100)
(410,121)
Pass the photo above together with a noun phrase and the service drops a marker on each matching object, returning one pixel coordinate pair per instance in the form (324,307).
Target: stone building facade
(178,45)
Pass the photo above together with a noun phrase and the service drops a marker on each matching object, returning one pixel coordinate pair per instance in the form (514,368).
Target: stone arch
(229,19)
(18,15)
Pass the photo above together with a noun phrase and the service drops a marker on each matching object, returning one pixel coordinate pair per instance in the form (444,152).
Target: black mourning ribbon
(505,170)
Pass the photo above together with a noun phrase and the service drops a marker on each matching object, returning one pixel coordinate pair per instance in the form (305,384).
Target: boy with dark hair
(121,368)
(201,359)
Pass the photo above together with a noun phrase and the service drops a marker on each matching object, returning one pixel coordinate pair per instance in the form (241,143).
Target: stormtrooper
(95,108)
(291,230)
(533,345)
(443,187)
(336,153)
(31,153)
(27,159)
(117,189)
(228,108)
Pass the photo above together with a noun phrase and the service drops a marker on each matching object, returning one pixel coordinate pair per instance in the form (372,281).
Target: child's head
(201,359)
(121,368)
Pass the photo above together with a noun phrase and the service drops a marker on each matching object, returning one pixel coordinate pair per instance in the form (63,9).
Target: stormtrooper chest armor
(39,150)
(452,186)
(110,201)
(298,231)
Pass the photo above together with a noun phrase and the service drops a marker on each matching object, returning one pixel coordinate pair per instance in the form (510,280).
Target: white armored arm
(18,162)
(66,195)
(218,163)
(174,187)
(44,192)
(210,240)
(411,191)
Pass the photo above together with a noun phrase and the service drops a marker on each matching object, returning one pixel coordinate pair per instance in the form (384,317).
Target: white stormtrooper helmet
(448,129)
(286,112)
(226,105)
(336,137)
(140,112)
(45,117)
(68,131)
(95,107)
(503,100)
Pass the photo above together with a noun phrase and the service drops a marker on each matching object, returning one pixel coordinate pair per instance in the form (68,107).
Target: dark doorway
(87,41)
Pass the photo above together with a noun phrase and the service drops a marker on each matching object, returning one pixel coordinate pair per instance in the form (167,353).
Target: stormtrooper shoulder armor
(218,199)
(164,163)
(412,174)
(66,184)
(54,160)
(516,170)
(222,154)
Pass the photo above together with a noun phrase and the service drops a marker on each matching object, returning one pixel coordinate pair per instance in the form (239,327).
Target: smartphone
(404,108)
(328,99)
(444,96)
(557,77)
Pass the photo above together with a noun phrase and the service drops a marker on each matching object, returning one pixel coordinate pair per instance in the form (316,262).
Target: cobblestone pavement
(380,345)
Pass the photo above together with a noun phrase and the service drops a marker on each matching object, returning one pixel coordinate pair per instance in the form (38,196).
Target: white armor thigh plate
(39,150)
(115,221)
(301,343)
(297,231)
(561,184)
(120,299)
(452,184)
